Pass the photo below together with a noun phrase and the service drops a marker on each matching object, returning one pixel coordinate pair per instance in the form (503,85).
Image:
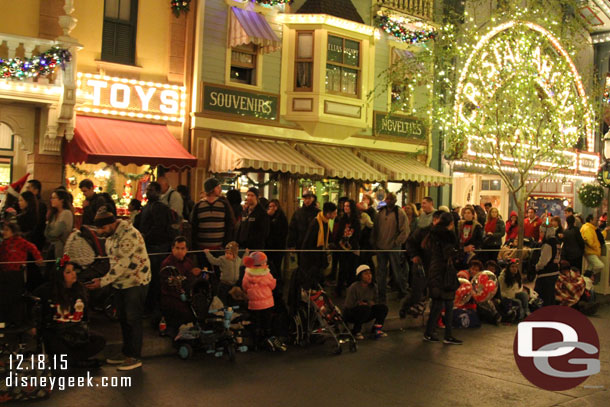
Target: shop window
(491,185)
(342,65)
(119,32)
(6,170)
(243,64)
(6,137)
(304,61)
(400,95)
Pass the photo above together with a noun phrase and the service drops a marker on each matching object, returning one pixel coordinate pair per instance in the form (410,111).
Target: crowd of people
(360,250)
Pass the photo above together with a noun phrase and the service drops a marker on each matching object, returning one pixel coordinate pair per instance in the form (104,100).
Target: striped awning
(340,162)
(250,27)
(400,167)
(236,154)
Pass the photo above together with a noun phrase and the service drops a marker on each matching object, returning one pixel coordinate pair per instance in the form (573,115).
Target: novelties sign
(400,126)
(240,103)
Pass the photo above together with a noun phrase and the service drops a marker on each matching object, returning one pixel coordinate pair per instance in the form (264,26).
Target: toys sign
(131,98)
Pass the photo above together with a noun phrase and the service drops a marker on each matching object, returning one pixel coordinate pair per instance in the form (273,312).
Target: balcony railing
(12,46)
(418,8)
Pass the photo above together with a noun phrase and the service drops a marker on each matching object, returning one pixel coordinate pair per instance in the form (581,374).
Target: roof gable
(338,8)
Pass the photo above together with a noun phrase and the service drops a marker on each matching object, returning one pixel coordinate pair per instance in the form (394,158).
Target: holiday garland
(180,6)
(114,168)
(273,2)
(591,195)
(39,65)
(406,30)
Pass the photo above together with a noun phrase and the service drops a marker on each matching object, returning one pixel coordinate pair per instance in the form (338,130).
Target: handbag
(450,280)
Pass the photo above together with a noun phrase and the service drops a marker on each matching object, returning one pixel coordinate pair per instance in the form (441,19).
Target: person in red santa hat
(10,202)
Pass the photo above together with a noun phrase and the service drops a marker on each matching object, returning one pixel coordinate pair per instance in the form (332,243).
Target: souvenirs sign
(240,102)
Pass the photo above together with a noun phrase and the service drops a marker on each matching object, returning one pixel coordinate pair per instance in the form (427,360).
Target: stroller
(17,343)
(316,319)
(218,331)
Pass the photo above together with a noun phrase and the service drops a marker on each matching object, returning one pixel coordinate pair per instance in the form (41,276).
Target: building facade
(287,97)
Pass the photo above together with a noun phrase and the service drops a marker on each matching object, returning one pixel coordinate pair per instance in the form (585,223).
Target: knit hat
(362,268)
(15,188)
(210,184)
(233,247)
(254,190)
(103,217)
(255,260)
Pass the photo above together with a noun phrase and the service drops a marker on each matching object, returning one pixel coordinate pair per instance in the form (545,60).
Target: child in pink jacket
(258,284)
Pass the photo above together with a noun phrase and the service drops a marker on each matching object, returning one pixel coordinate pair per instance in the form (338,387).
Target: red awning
(99,140)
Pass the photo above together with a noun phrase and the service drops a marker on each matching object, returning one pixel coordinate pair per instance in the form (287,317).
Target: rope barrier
(266,251)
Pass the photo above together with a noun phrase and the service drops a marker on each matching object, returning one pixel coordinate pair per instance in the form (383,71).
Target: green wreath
(591,195)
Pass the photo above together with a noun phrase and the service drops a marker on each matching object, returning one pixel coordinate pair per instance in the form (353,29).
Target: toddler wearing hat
(258,284)
(361,304)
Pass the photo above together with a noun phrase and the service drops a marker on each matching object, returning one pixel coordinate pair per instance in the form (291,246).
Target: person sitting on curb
(361,304)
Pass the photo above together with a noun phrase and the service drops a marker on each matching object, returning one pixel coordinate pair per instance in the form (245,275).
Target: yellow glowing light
(467,90)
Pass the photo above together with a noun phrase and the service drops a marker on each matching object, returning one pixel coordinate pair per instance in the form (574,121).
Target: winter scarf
(322,239)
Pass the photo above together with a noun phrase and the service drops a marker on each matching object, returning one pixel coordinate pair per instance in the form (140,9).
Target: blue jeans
(399,271)
(130,307)
(522,299)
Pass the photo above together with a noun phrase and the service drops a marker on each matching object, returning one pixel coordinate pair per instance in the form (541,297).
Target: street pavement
(399,370)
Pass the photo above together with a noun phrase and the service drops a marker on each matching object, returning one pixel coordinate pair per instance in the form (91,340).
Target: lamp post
(606,166)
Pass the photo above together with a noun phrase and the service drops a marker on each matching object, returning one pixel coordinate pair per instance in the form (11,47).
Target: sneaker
(452,341)
(431,338)
(380,334)
(277,344)
(130,364)
(117,359)
(359,336)
(270,344)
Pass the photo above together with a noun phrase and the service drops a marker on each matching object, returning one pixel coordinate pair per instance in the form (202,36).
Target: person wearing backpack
(155,225)
(94,201)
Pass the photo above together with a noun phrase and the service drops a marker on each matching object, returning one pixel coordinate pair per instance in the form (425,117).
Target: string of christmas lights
(36,66)
(406,30)
(273,2)
(180,6)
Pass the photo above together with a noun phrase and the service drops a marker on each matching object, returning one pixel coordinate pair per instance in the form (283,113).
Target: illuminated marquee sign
(498,53)
(131,98)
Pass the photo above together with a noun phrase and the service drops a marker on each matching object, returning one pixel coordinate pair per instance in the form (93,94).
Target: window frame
(255,67)
(133,23)
(298,60)
(391,85)
(342,66)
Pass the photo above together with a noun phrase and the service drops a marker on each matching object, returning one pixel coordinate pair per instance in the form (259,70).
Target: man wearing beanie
(129,275)
(254,226)
(212,219)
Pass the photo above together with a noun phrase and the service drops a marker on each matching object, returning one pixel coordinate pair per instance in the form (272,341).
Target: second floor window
(343,65)
(119,33)
(243,64)
(304,61)
(400,95)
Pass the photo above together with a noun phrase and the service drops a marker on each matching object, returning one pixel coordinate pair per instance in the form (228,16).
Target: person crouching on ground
(361,304)
(512,289)
(258,284)
(64,317)
(176,311)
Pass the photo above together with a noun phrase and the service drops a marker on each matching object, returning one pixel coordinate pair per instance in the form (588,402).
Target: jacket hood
(513,213)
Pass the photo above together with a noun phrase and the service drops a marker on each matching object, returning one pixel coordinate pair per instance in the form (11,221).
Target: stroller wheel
(338,350)
(185,351)
(353,346)
(230,349)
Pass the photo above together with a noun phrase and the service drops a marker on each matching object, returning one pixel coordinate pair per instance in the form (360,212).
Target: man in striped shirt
(212,219)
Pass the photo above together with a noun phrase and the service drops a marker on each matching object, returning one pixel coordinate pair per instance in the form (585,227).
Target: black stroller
(21,313)
(218,332)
